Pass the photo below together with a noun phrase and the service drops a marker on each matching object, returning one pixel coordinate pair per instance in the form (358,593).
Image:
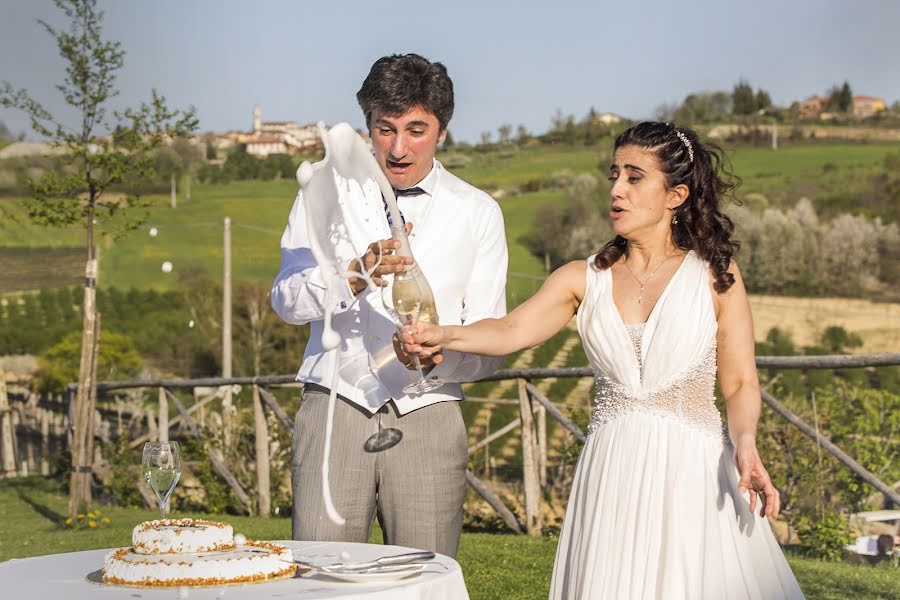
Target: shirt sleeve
(485,297)
(298,294)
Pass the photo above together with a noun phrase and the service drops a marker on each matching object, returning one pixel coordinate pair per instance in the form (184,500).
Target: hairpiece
(687,144)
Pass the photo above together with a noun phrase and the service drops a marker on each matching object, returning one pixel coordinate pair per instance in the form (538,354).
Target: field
(877,323)
(258,210)
(495,566)
(191,235)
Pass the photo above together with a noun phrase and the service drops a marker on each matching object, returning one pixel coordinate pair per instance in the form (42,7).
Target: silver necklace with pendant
(646,279)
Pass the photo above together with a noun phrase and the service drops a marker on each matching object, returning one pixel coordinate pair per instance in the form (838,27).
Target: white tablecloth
(73,576)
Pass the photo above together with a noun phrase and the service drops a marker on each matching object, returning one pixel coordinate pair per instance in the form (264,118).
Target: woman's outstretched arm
(531,323)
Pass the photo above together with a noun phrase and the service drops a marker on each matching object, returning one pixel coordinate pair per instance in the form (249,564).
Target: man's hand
(379,253)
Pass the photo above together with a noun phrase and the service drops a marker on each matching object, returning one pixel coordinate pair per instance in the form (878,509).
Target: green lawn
(192,233)
(495,566)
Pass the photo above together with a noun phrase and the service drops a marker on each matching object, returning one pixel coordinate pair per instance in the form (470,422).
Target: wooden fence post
(529,464)
(218,464)
(45,442)
(163,415)
(542,444)
(152,430)
(7,433)
(262,455)
(484,491)
(88,477)
(273,405)
(487,451)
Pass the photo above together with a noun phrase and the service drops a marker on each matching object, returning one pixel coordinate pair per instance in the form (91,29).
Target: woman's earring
(674,219)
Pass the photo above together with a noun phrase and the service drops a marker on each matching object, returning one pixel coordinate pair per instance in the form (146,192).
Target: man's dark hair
(401,82)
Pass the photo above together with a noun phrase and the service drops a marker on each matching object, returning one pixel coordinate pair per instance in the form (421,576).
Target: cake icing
(187,552)
(166,536)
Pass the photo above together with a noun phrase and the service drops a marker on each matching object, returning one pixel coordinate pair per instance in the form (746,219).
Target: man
(415,487)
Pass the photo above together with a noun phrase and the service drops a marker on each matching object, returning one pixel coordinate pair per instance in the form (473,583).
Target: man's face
(405,145)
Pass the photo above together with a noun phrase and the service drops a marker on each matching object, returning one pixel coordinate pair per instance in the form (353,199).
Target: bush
(793,252)
(124,473)
(59,365)
(826,536)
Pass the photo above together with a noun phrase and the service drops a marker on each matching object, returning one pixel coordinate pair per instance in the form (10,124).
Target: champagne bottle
(411,293)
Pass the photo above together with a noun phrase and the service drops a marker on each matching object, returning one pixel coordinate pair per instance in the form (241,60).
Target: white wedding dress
(654,510)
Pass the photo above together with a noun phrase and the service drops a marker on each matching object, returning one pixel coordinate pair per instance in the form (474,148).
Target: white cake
(170,565)
(166,536)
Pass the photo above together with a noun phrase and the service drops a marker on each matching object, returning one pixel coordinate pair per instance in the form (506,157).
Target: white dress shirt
(459,243)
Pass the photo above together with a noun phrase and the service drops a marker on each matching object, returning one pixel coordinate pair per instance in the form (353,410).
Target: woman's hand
(426,340)
(406,357)
(755,479)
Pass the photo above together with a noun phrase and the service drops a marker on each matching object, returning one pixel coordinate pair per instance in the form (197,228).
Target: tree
(504,132)
(840,98)
(76,194)
(522,135)
(119,360)
(191,156)
(5,133)
(763,100)
(845,102)
(743,101)
(703,107)
(448,140)
(168,164)
(265,343)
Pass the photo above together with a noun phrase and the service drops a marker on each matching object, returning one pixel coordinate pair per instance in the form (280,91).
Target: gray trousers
(416,488)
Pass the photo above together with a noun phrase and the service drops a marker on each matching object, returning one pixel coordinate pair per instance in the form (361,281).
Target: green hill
(192,234)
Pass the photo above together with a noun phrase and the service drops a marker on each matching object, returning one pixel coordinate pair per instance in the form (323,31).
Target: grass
(495,565)
(192,233)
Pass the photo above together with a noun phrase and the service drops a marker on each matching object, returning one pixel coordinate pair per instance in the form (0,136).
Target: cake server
(397,559)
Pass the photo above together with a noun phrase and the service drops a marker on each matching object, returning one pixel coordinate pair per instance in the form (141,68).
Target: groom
(416,487)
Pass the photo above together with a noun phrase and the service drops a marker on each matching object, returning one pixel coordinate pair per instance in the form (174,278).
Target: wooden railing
(533,405)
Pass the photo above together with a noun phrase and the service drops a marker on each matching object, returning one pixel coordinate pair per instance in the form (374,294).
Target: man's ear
(442,136)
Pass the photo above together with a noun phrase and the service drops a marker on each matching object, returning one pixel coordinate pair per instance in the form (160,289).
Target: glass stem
(418,367)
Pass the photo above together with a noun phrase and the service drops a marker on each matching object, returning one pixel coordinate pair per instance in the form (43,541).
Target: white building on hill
(279,137)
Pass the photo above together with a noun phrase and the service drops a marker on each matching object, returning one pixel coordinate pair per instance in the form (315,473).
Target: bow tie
(413,191)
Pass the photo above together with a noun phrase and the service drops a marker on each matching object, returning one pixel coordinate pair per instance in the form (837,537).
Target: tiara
(687,144)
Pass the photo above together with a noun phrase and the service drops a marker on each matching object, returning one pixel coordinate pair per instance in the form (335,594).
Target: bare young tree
(121,158)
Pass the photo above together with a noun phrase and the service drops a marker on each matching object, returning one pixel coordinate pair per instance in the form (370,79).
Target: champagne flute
(410,305)
(162,470)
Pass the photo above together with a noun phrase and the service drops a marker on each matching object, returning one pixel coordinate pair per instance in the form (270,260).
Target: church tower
(257,120)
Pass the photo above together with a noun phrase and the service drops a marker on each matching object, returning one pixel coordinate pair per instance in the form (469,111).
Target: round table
(74,576)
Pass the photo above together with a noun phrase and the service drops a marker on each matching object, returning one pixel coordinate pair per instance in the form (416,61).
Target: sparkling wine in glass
(413,302)
(162,470)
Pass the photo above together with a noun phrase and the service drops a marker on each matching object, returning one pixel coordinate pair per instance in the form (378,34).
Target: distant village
(268,137)
(863,107)
(289,137)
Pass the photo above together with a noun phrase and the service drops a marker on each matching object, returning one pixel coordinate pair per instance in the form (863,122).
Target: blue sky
(511,62)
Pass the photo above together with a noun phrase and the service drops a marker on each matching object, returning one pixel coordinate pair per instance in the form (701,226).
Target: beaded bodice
(664,367)
(688,398)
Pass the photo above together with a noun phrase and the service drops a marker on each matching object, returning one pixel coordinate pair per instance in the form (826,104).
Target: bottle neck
(399,234)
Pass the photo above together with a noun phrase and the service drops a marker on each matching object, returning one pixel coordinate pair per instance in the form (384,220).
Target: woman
(664,501)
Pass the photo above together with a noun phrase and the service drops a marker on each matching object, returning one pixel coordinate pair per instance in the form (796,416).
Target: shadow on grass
(43,510)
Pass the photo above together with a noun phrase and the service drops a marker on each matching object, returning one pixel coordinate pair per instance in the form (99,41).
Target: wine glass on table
(162,470)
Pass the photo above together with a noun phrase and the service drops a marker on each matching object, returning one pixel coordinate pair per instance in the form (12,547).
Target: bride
(665,502)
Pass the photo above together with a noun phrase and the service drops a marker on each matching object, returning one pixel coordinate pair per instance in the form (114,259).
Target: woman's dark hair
(400,82)
(698,224)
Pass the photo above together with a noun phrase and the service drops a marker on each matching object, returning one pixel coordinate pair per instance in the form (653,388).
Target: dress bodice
(666,366)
